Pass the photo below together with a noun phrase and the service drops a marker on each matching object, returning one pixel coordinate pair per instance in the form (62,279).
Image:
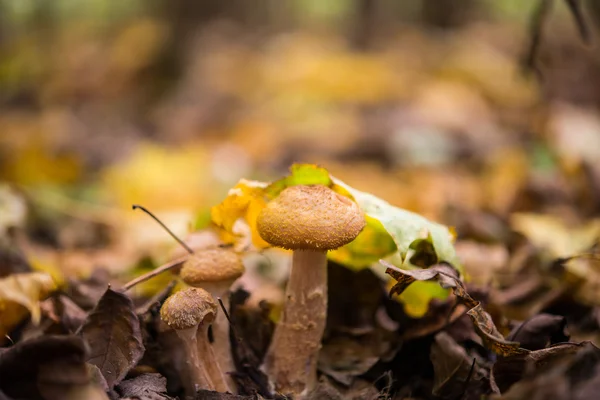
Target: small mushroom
(189,312)
(215,270)
(310,220)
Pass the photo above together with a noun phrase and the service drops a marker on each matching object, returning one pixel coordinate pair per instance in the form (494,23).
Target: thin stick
(536,25)
(173,264)
(582,26)
(466,384)
(181,242)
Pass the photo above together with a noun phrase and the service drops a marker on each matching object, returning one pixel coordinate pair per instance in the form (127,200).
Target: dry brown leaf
(447,277)
(51,367)
(112,331)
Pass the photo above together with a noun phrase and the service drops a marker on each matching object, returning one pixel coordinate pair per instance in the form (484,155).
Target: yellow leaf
(554,235)
(163,178)
(36,164)
(20,294)
(245,201)
(49,267)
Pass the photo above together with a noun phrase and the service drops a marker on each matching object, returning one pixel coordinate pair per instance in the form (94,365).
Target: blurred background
(430,105)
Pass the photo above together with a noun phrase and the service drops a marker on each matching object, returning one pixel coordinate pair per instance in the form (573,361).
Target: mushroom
(215,270)
(310,220)
(189,312)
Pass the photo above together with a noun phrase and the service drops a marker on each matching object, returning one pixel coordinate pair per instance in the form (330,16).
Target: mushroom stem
(297,337)
(222,343)
(200,376)
(208,360)
(220,328)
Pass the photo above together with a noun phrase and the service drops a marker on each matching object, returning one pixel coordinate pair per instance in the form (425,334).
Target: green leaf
(407,229)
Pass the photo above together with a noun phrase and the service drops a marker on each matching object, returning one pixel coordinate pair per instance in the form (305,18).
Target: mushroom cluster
(215,270)
(192,312)
(310,220)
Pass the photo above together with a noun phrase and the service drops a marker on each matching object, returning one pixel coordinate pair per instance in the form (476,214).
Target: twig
(173,264)
(236,337)
(170,232)
(535,31)
(466,384)
(538,19)
(582,26)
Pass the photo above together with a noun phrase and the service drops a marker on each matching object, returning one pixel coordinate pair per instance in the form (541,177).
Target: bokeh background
(427,104)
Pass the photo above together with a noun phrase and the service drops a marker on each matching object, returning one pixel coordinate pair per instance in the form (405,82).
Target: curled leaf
(447,277)
(244,201)
(553,360)
(487,331)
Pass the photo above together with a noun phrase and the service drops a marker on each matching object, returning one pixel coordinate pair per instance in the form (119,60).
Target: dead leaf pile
(477,275)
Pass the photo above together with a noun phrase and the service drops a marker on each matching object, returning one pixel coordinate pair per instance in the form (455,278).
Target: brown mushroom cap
(213,265)
(188,308)
(310,218)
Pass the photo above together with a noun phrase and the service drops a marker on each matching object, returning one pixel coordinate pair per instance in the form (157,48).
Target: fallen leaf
(447,277)
(443,273)
(145,387)
(345,358)
(96,377)
(21,294)
(487,331)
(582,272)
(539,331)
(12,259)
(112,331)
(243,201)
(324,389)
(87,292)
(71,315)
(362,390)
(440,315)
(527,373)
(453,368)
(49,368)
(588,389)
(211,395)
(553,235)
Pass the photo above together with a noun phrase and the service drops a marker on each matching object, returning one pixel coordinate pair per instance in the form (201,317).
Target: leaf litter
(477,273)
